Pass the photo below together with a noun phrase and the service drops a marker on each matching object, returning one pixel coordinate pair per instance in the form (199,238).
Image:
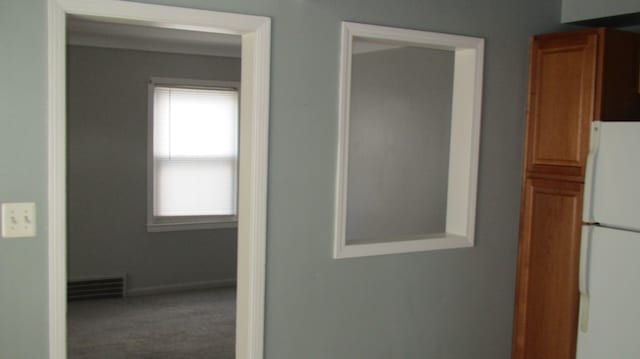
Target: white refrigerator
(610,260)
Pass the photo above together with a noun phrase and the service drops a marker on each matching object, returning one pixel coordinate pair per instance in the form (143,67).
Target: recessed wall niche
(409,126)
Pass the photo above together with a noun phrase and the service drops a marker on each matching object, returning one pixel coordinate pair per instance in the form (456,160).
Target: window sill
(190,226)
(442,241)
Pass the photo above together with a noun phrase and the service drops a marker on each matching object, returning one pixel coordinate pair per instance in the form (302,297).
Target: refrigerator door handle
(583,283)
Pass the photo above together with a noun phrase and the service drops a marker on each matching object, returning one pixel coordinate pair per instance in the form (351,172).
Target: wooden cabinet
(549,255)
(575,78)
(561,99)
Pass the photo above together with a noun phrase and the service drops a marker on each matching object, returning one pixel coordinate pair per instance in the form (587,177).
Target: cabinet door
(547,291)
(561,99)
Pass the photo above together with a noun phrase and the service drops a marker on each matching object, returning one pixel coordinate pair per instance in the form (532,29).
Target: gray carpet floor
(196,324)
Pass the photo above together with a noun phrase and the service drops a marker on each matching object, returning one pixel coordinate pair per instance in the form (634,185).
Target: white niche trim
(464,141)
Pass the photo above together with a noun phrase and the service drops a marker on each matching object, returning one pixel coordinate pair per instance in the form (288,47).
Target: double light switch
(18,220)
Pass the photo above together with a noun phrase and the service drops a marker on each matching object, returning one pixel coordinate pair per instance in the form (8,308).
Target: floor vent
(96,288)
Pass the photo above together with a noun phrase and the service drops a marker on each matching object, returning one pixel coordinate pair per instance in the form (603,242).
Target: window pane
(195,187)
(195,151)
(195,122)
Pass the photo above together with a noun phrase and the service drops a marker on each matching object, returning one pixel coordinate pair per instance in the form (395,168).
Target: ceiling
(136,37)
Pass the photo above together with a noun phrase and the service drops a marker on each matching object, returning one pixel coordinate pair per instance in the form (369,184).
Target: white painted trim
(162,16)
(171,288)
(180,223)
(464,143)
(407,37)
(194,83)
(56,180)
(190,226)
(254,127)
(252,208)
(448,241)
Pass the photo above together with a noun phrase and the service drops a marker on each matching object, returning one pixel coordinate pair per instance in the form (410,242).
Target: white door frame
(254,130)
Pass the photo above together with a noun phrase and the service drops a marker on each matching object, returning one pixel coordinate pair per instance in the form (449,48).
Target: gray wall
(580,10)
(23,173)
(399,131)
(107,169)
(454,304)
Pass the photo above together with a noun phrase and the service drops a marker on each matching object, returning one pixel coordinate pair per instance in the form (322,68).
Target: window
(193,154)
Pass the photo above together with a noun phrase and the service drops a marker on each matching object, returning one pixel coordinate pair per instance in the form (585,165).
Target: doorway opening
(162,104)
(253,134)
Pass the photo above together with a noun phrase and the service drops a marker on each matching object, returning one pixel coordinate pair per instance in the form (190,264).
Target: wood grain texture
(562,86)
(574,78)
(561,98)
(547,293)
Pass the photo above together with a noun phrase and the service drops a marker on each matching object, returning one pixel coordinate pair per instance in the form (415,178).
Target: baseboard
(169,288)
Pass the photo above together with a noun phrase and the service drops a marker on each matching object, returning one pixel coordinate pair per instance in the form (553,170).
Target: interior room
(522,261)
(124,280)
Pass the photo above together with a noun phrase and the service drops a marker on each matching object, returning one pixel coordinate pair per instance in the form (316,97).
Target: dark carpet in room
(194,324)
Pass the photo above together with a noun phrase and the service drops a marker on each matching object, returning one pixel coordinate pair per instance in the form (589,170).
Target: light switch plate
(18,220)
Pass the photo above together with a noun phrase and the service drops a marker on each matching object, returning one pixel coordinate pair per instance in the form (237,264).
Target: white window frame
(464,144)
(181,223)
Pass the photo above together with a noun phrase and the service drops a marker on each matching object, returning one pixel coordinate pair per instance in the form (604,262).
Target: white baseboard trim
(169,288)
